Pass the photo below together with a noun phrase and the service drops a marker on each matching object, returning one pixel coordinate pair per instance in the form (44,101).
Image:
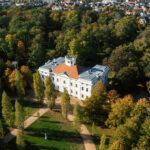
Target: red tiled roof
(72,71)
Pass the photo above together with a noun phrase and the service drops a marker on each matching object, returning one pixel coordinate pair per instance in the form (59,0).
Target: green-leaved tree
(20,140)
(19,116)
(38,86)
(49,92)
(96,107)
(7,109)
(65,103)
(19,85)
(77,112)
(102,145)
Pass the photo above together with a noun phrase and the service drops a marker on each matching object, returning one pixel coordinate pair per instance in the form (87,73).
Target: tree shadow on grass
(30,146)
(56,135)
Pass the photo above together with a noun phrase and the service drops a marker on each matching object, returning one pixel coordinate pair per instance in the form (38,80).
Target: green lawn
(98,132)
(61,134)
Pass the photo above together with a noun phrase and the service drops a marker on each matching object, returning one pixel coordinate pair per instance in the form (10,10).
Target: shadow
(33,104)
(32,146)
(57,135)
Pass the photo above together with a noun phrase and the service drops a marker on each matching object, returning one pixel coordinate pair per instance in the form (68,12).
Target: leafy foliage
(65,104)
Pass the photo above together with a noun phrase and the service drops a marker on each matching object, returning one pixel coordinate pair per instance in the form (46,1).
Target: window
(76,93)
(76,85)
(57,80)
(82,88)
(82,96)
(64,81)
(71,83)
(53,78)
(87,89)
(71,91)
(42,76)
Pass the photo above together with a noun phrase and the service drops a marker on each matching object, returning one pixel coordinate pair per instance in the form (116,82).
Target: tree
(1,134)
(38,116)
(125,27)
(37,55)
(120,111)
(77,112)
(7,109)
(117,145)
(19,115)
(96,107)
(93,128)
(148,86)
(102,145)
(20,140)
(49,92)
(38,86)
(0,88)
(27,74)
(65,103)
(19,85)
(72,20)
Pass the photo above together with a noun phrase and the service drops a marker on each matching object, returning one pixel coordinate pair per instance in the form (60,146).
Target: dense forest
(32,36)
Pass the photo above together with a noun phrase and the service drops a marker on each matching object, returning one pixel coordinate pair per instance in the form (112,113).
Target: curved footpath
(85,134)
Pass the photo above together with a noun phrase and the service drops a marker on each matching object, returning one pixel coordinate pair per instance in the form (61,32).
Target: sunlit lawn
(98,132)
(61,134)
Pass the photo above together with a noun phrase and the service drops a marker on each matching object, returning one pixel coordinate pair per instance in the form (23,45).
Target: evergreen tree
(102,145)
(38,86)
(7,109)
(19,85)
(77,115)
(19,116)
(65,103)
(49,93)
(20,140)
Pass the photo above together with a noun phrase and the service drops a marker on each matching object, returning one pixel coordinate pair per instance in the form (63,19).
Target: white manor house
(78,81)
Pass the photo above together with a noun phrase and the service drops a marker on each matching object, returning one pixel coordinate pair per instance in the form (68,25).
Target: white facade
(110,1)
(79,87)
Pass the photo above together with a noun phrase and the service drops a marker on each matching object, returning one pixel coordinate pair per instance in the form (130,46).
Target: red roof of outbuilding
(72,71)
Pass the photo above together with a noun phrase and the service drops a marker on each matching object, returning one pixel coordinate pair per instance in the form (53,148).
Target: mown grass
(98,132)
(62,135)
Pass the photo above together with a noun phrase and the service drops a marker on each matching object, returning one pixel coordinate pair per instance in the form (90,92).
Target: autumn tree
(20,140)
(132,133)
(117,145)
(50,93)
(19,115)
(102,145)
(38,86)
(120,111)
(96,107)
(77,112)
(65,104)
(19,85)
(27,74)
(7,109)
